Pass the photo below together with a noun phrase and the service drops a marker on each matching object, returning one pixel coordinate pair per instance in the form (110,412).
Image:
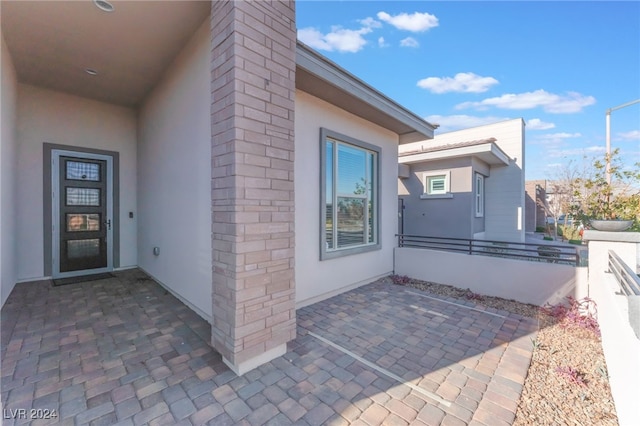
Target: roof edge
(488,149)
(323,68)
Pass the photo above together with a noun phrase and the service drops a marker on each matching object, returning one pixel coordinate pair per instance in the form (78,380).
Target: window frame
(338,138)
(478,195)
(428,176)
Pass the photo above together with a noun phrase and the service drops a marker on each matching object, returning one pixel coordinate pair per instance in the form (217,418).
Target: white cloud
(409,42)
(633,135)
(340,39)
(562,135)
(555,153)
(370,23)
(552,103)
(537,124)
(382,42)
(464,82)
(455,122)
(416,22)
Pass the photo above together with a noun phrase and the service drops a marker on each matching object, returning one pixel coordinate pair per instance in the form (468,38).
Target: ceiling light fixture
(104,5)
(91,71)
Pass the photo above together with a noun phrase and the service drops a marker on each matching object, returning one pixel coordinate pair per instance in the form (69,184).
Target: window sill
(435,196)
(325,255)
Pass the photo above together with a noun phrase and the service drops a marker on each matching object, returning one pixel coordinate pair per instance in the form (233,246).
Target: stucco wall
(440,217)
(58,118)
(8,152)
(528,282)
(616,312)
(174,177)
(504,189)
(317,279)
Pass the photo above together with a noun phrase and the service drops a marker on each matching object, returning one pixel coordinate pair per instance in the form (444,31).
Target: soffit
(323,79)
(51,43)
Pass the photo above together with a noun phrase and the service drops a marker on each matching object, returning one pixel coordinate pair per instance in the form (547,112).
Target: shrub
(400,279)
(572,375)
(581,313)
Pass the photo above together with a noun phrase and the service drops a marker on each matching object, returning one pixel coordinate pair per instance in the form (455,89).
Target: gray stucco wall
(440,217)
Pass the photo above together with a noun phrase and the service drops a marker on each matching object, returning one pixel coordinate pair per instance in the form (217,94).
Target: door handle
(107,223)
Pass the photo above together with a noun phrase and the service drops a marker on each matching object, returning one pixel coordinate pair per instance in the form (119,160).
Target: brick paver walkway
(124,351)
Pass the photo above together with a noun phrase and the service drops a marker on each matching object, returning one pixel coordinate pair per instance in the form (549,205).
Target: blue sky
(559,65)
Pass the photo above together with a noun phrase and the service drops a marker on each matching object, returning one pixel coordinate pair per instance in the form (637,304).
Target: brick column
(253,89)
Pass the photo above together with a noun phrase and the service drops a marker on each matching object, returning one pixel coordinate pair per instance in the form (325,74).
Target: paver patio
(125,351)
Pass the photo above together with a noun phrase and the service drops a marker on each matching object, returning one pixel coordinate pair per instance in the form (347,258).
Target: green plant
(569,232)
(536,344)
(602,371)
(595,198)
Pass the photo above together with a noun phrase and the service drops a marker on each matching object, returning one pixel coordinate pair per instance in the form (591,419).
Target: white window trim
(479,193)
(447,185)
(326,253)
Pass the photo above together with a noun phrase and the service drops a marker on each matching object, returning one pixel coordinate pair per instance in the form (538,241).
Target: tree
(560,193)
(597,199)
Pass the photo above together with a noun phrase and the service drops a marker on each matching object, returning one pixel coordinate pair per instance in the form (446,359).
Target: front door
(82,213)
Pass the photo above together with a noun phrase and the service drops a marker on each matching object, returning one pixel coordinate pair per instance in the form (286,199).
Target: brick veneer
(253,88)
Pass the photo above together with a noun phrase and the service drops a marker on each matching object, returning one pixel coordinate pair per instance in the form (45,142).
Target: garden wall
(528,282)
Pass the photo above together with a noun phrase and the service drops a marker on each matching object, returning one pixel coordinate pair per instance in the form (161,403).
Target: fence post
(470,247)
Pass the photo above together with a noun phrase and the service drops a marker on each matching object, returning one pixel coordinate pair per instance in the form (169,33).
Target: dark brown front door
(83,214)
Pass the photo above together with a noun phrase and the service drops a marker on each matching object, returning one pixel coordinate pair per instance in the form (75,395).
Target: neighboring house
(535,201)
(465,184)
(243,171)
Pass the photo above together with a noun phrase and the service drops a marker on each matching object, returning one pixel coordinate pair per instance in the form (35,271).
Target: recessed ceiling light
(91,71)
(104,5)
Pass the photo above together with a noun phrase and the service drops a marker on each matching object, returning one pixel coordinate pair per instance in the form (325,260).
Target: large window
(349,196)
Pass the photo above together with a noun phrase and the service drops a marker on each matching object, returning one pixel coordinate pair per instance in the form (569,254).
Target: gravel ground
(567,381)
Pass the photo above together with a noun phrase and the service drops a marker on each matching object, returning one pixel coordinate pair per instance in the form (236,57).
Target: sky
(559,65)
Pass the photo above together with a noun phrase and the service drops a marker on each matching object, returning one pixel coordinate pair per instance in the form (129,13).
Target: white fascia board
(489,153)
(323,68)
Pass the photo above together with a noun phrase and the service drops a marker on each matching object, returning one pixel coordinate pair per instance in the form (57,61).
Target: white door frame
(56,199)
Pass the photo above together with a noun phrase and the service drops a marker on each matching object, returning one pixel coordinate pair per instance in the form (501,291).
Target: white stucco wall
(317,279)
(504,188)
(58,118)
(527,282)
(174,177)
(8,153)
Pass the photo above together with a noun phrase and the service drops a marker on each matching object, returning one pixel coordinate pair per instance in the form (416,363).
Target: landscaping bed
(567,381)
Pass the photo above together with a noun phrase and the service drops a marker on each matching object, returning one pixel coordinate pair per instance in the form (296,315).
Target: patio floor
(125,351)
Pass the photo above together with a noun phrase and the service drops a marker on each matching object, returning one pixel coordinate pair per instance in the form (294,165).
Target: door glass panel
(83,197)
(83,248)
(83,171)
(83,222)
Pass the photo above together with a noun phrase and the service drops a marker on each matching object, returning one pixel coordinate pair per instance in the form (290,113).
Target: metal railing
(523,251)
(628,280)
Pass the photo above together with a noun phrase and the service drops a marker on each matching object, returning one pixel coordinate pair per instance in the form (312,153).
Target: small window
(350,193)
(437,185)
(479,195)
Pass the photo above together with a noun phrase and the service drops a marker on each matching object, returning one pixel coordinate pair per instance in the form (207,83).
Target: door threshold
(82,278)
